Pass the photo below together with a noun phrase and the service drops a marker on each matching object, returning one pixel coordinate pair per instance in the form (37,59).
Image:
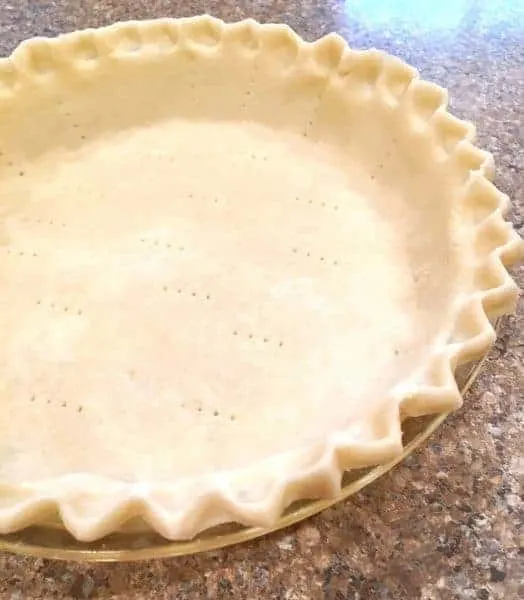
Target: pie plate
(231,264)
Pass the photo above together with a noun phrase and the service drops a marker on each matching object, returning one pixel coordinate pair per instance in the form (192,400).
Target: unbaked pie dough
(230,263)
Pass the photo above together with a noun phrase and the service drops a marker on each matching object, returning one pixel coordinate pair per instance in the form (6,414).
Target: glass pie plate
(53,542)
(315,246)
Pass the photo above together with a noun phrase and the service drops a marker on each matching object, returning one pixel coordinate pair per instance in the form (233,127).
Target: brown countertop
(444,524)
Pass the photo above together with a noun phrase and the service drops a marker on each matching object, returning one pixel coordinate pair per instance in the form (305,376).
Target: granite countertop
(444,524)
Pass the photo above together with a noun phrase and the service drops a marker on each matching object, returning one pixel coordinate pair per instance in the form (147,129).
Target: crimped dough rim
(313,471)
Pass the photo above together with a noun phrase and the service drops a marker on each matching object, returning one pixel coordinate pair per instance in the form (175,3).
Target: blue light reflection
(426,15)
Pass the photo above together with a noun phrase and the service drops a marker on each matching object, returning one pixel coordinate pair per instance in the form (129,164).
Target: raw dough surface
(193,296)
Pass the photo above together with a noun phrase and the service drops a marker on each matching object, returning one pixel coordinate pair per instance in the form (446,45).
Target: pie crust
(231,262)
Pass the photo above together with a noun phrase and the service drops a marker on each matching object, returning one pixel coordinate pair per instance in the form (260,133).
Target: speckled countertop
(444,524)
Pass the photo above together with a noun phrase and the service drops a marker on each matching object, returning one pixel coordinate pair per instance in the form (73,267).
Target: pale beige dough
(230,263)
